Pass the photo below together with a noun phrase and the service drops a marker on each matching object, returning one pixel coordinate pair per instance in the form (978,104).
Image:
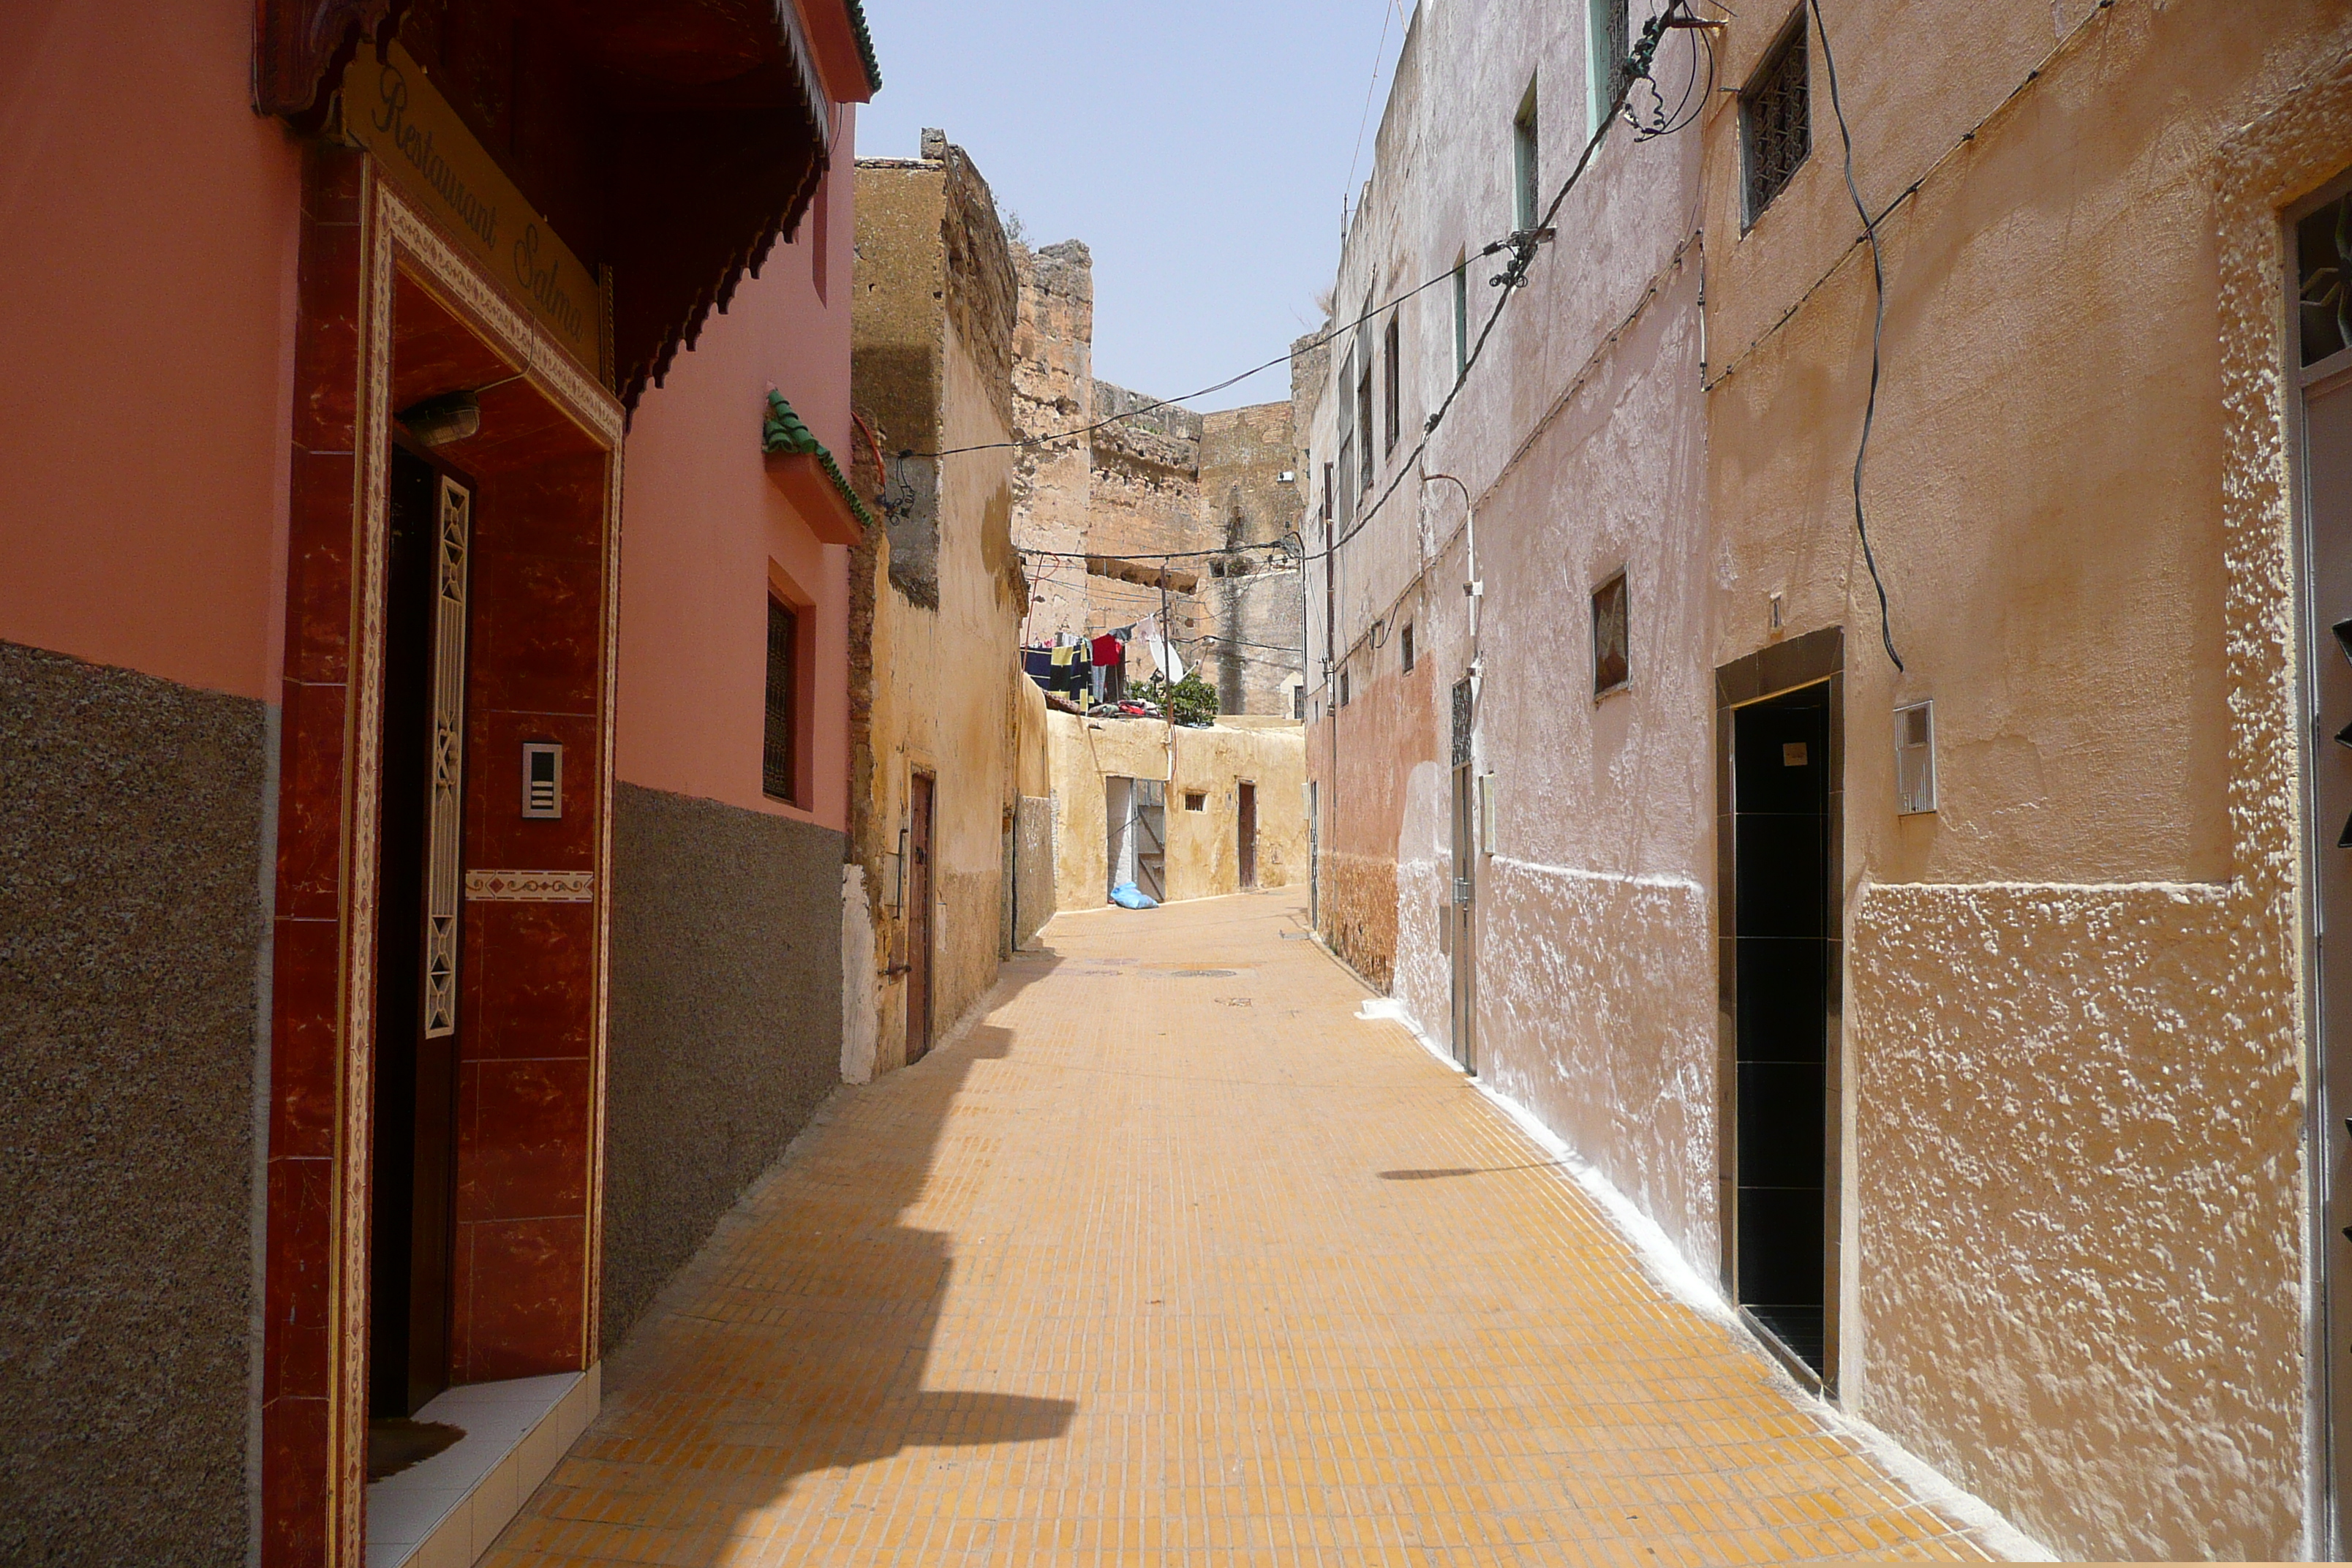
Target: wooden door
(1248,801)
(919,917)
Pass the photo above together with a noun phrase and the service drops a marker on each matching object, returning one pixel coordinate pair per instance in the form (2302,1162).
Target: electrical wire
(1380,53)
(1148,555)
(1523,248)
(1877,337)
(1183,397)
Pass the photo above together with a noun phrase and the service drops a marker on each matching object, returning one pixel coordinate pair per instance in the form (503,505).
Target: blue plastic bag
(1128,896)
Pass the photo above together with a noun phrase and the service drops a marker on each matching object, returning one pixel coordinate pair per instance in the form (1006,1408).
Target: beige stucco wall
(944,691)
(1204,846)
(2076,1167)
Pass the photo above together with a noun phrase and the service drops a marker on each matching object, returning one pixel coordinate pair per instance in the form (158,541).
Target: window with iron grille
(1612,44)
(1776,118)
(1326,492)
(1406,652)
(1395,390)
(780,759)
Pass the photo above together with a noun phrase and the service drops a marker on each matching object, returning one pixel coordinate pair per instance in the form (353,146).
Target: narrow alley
(1172,1258)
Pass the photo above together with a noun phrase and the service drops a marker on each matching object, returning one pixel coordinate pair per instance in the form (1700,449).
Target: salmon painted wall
(702,526)
(148,226)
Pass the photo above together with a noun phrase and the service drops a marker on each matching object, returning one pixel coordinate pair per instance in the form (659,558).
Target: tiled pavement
(1172,1260)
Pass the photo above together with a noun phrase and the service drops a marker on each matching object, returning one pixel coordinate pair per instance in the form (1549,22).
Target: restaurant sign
(423,146)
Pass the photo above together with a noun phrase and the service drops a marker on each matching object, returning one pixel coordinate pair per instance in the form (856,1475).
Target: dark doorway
(919,791)
(1457,914)
(415,1142)
(1784,926)
(1248,800)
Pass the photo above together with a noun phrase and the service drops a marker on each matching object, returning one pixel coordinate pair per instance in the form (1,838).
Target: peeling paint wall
(1580,436)
(937,687)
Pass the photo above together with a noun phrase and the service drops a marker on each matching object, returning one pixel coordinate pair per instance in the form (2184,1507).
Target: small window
(1343,689)
(779,757)
(1527,205)
(1405,653)
(1298,703)
(1395,390)
(1776,118)
(1611,666)
(1196,800)
(1326,492)
(1347,476)
(1364,419)
(1612,45)
(1460,315)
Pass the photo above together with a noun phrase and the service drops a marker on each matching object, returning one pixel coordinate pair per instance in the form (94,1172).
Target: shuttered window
(780,764)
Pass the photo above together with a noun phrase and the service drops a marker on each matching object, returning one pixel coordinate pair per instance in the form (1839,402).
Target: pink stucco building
(423,715)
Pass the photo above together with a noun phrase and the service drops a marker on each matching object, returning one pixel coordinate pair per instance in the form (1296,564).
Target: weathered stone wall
(1161,480)
(1248,642)
(1053,392)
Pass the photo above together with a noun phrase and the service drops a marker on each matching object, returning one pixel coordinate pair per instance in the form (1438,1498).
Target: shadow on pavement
(795,1343)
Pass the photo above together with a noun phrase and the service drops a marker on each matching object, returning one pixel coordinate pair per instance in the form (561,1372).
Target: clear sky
(1200,150)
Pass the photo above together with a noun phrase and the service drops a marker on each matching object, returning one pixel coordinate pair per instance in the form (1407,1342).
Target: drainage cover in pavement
(1203,974)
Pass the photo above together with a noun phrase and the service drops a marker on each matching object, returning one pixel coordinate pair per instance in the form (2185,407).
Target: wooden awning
(670,141)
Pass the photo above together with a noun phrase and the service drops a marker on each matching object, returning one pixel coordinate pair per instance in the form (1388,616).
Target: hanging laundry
(1110,666)
(1163,650)
(1069,673)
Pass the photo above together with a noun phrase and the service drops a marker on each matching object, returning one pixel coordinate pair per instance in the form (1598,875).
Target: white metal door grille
(444,840)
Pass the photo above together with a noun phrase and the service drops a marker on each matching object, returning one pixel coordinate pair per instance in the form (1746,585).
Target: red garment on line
(1109,650)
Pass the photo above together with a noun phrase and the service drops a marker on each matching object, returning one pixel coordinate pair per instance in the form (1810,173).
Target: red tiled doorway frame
(388,308)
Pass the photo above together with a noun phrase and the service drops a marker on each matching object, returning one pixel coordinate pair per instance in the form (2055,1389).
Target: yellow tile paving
(1170,1260)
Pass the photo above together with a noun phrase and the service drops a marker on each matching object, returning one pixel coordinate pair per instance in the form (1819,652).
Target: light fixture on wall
(1915,759)
(439,421)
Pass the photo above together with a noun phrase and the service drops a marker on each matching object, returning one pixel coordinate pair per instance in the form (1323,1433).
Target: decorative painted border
(531,887)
